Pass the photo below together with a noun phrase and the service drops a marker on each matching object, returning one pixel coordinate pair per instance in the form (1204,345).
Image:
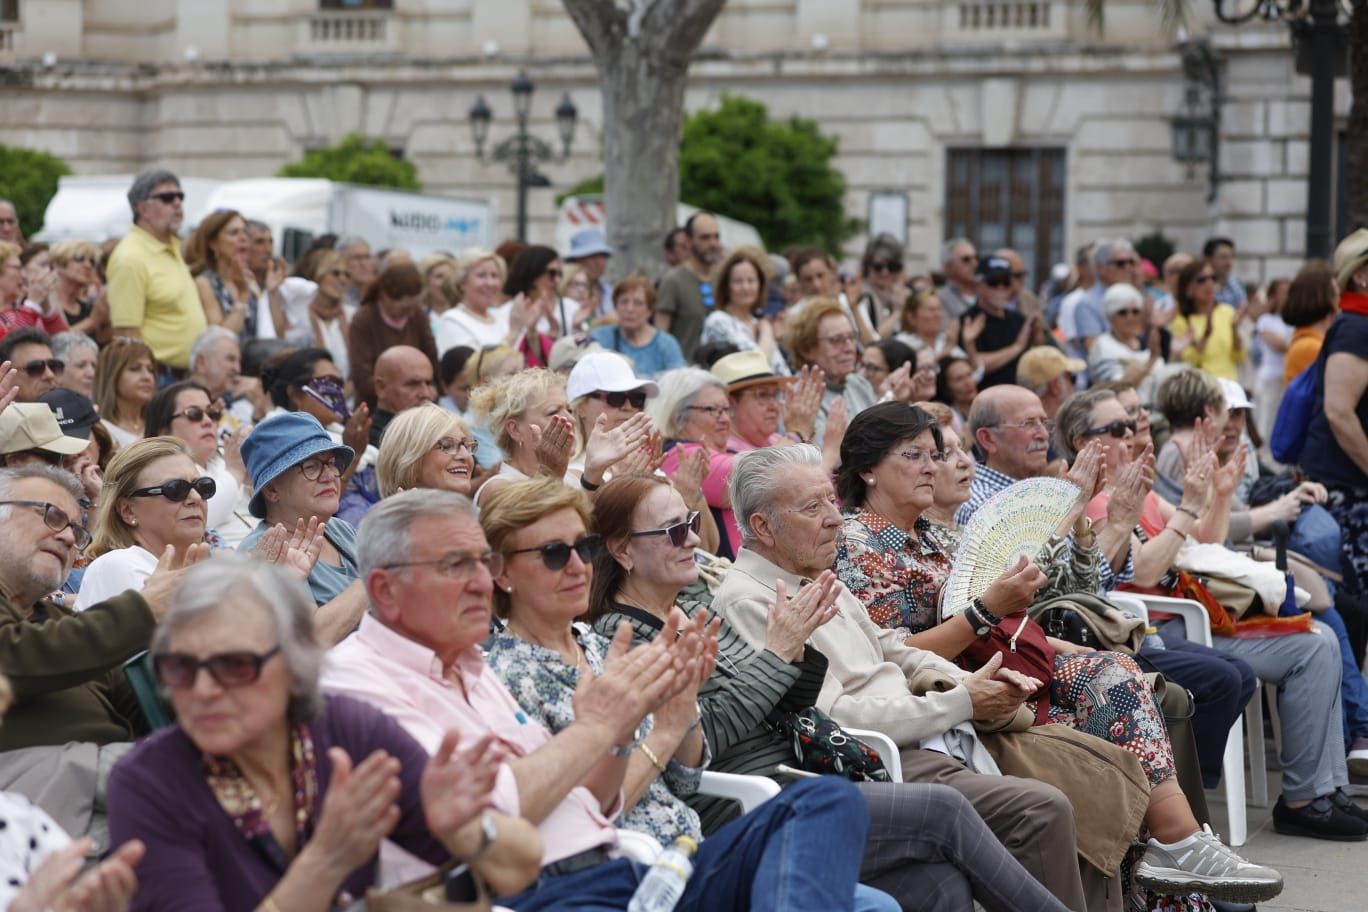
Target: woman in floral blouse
(892,560)
(540,527)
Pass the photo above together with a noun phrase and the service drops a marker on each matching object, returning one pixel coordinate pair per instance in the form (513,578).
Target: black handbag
(823,747)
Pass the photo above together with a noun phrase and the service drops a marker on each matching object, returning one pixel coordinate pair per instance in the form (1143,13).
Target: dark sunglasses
(1117,429)
(678,533)
(1123,263)
(998,283)
(557,554)
(555,274)
(196,414)
(177,670)
(36,368)
(882,266)
(637,399)
(177,489)
(55,518)
(1203,279)
(169,197)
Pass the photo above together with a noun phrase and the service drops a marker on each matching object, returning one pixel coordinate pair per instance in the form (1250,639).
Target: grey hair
(948,248)
(350,240)
(64,343)
(383,536)
(982,414)
(60,477)
(204,342)
(254,225)
(225,582)
(1103,251)
(1075,417)
(145,183)
(669,411)
(754,486)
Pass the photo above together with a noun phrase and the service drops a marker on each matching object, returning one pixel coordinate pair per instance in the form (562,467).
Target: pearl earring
(871,481)
(132,522)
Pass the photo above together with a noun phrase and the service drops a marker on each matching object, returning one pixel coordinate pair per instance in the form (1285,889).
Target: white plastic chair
(885,747)
(748,791)
(1197,628)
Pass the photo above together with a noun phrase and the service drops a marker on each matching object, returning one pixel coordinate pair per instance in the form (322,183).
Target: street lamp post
(523,152)
(1320,40)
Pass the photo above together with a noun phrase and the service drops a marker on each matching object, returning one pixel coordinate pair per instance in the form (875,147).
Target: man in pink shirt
(429,574)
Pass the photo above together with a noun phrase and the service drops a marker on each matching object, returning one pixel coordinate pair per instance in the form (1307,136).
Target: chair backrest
(138,671)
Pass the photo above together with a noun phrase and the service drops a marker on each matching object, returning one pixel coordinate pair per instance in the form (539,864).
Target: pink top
(714,486)
(1151,518)
(406,680)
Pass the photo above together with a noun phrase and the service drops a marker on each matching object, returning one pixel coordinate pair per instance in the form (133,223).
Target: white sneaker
(1204,865)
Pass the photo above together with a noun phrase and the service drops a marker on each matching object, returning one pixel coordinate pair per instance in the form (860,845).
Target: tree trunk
(1358,117)
(642,49)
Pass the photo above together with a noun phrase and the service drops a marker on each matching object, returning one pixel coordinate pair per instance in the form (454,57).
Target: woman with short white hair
(1130,350)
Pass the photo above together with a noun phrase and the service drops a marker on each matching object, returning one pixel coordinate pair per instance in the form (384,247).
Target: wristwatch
(980,618)
(488,833)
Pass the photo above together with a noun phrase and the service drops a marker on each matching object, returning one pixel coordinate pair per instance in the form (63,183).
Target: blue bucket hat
(282,442)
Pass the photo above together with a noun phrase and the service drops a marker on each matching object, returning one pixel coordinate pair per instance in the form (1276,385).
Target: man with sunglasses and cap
(151,294)
(992,333)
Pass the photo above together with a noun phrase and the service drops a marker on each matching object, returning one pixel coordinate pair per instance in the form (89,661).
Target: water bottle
(1152,638)
(662,886)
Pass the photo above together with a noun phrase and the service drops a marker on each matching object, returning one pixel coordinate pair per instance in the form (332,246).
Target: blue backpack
(1299,403)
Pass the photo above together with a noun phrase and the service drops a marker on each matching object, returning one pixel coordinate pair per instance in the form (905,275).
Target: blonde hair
(942,413)
(10,251)
(113,361)
(409,437)
(110,532)
(509,398)
(480,366)
(517,505)
(63,252)
(800,333)
(325,260)
(468,260)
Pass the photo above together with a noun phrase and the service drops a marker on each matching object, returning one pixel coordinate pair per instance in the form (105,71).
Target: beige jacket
(866,682)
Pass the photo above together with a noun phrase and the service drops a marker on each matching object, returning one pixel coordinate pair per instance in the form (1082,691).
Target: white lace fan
(1015,521)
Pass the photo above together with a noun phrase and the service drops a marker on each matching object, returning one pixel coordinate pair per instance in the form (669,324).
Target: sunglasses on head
(36,368)
(196,414)
(678,533)
(1117,429)
(169,197)
(557,554)
(636,398)
(178,670)
(177,489)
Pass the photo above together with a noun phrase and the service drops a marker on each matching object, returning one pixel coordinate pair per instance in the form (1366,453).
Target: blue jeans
(799,851)
(1353,689)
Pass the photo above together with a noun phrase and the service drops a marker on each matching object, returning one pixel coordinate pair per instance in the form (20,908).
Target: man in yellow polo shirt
(152,296)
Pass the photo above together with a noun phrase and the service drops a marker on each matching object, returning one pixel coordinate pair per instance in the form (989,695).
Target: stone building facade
(1010,120)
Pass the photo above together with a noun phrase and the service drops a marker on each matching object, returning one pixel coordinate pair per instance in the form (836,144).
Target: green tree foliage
(776,176)
(1155,247)
(28,178)
(356,160)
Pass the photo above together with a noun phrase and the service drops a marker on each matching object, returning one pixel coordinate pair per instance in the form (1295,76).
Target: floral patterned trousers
(1106,695)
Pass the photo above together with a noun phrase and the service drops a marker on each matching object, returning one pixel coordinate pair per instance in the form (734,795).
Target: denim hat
(586,243)
(282,442)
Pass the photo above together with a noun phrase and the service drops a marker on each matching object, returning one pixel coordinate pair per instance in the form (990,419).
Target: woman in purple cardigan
(265,796)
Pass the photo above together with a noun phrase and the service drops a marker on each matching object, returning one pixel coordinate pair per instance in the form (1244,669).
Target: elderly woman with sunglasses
(153,498)
(1204,332)
(184,411)
(283,796)
(891,560)
(1129,351)
(927,847)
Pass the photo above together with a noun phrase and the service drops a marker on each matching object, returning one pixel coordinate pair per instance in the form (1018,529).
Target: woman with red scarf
(1336,449)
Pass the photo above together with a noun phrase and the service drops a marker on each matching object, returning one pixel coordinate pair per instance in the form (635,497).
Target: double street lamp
(523,152)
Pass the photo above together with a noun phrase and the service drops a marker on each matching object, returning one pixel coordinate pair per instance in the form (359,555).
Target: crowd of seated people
(313,585)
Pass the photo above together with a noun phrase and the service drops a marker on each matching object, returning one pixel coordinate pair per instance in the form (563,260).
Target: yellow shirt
(151,290)
(1220,358)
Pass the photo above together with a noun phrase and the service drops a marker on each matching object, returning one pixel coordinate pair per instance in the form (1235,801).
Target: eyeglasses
(55,518)
(1135,411)
(1204,278)
(969,258)
(37,368)
(557,554)
(882,266)
(916,455)
(312,469)
(840,341)
(1117,429)
(716,411)
(678,533)
(178,670)
(705,289)
(1035,424)
(871,368)
(196,414)
(769,395)
(169,197)
(456,566)
(177,490)
(635,398)
(449,445)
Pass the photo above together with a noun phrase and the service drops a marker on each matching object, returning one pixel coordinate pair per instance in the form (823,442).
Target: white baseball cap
(607,372)
(1234,395)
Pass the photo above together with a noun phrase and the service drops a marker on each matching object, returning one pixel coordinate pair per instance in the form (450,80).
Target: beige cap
(1042,364)
(1350,255)
(32,426)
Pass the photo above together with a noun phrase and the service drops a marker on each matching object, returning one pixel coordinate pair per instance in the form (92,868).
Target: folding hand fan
(1015,521)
